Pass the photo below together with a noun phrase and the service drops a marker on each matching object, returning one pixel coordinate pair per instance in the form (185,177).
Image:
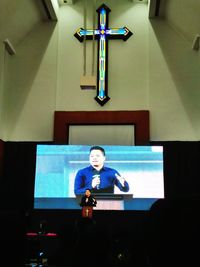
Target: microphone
(93,201)
(97,176)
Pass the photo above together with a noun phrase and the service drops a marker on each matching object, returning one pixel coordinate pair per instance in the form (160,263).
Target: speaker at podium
(87,203)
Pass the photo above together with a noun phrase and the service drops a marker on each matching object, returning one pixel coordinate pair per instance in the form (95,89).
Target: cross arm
(119,33)
(80,33)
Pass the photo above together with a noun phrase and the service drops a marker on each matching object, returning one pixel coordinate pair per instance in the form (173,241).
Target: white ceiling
(183,16)
(19,17)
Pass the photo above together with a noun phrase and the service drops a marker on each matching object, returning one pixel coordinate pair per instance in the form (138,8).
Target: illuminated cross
(102,34)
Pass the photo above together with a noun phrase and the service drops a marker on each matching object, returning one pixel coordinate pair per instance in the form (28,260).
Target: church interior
(92,72)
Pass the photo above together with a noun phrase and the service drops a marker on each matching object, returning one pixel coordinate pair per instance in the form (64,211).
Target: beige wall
(155,70)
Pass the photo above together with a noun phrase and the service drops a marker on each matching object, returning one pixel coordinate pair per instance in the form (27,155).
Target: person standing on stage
(88,199)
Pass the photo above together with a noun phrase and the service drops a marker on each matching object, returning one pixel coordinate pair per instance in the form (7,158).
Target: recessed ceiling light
(64,2)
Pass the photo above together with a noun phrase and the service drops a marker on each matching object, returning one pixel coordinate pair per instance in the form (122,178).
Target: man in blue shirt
(97,177)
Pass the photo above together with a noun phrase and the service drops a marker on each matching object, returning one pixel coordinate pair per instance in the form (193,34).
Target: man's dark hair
(98,148)
(88,189)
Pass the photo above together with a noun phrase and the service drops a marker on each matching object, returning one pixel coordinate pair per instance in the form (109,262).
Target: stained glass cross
(102,34)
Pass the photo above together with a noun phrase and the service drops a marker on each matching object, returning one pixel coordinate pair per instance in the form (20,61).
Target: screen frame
(63,120)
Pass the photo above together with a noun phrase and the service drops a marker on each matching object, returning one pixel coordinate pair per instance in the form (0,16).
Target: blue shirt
(83,181)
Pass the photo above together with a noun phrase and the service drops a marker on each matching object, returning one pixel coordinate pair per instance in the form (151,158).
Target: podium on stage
(87,211)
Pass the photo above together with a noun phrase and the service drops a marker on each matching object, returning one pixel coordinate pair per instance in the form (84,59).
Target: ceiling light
(65,2)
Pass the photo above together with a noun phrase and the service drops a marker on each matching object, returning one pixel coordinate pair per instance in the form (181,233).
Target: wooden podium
(87,211)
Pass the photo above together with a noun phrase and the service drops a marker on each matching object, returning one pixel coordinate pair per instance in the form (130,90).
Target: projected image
(64,172)
(97,177)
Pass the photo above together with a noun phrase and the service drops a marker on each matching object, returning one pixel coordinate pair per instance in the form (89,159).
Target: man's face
(97,158)
(87,193)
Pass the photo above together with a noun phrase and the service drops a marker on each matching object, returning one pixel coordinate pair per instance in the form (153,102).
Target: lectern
(87,211)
